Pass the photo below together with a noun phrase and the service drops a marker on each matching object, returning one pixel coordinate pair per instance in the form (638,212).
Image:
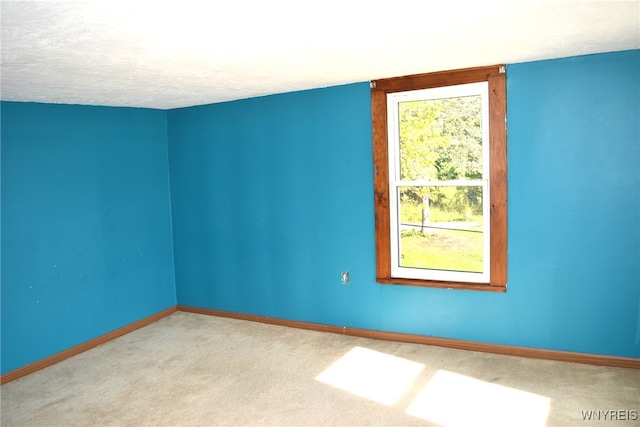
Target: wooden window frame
(495,76)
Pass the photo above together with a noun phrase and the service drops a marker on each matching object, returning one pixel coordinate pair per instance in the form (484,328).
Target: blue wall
(574,200)
(273,198)
(86,226)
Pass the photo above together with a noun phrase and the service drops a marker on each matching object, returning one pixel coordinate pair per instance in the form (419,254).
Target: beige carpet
(191,369)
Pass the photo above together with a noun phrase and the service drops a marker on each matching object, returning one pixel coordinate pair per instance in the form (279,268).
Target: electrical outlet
(344,278)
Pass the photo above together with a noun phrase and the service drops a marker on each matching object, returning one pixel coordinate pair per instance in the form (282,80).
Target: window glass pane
(441,139)
(441,228)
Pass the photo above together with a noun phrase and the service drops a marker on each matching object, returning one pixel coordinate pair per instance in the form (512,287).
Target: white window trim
(393,99)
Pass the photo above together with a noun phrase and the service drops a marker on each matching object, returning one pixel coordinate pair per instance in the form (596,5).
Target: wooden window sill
(439,284)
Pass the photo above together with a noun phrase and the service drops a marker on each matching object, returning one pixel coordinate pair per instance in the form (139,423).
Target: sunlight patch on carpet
(451,399)
(372,375)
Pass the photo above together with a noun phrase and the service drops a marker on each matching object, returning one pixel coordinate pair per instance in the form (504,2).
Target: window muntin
(439,155)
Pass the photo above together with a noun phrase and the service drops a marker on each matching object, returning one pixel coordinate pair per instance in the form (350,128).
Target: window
(441,179)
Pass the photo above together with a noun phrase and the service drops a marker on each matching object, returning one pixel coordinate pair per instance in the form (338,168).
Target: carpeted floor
(191,369)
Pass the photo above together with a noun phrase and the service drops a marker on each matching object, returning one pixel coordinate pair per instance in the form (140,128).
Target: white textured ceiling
(168,54)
